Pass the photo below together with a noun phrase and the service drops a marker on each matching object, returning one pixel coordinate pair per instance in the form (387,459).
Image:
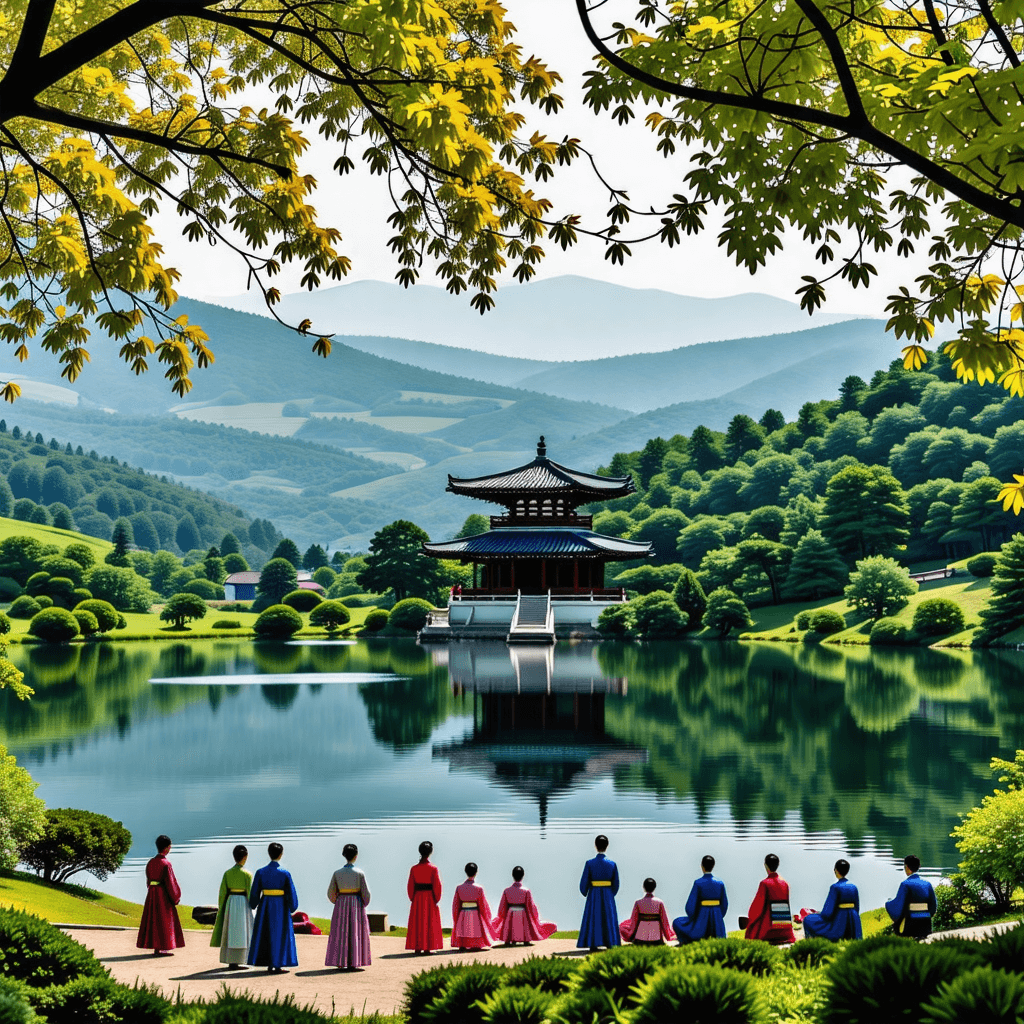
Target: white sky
(358,204)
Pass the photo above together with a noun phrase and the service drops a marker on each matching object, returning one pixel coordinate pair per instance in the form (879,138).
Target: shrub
(958,902)
(803,620)
(376,620)
(751,957)
(616,621)
(206,589)
(80,594)
(102,1001)
(74,841)
(460,999)
(235,606)
(1004,951)
(726,612)
(983,996)
(182,608)
(5,624)
(826,621)
(890,983)
(793,993)
(244,1009)
(24,607)
(981,565)
(122,622)
(14,1004)
(657,617)
(44,601)
(329,615)
(302,600)
(546,973)
(227,624)
(618,970)
(811,952)
(887,631)
(278,620)
(938,616)
(54,625)
(587,1006)
(87,624)
(423,988)
(410,615)
(124,588)
(697,995)
(33,951)
(991,843)
(9,588)
(106,614)
(519,1005)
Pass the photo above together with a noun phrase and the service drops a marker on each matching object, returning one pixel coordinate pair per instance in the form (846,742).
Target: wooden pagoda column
(543,574)
(575,575)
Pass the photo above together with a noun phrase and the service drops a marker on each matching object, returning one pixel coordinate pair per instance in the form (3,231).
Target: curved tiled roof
(540,542)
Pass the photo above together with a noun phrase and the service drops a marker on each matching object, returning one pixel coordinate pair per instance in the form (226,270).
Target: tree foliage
(21,811)
(879,586)
(816,569)
(690,598)
(1005,609)
(277,579)
(182,608)
(396,562)
(74,841)
(726,612)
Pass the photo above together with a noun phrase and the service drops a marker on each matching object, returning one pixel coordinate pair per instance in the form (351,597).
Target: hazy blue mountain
(559,318)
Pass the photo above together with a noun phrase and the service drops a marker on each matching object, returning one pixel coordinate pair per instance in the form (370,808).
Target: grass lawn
(51,535)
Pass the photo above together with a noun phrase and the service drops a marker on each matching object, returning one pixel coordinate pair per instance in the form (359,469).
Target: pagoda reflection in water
(538,717)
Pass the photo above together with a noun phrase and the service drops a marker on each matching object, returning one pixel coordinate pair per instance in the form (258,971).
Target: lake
(520,756)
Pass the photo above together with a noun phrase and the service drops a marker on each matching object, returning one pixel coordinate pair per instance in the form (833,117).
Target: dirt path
(195,971)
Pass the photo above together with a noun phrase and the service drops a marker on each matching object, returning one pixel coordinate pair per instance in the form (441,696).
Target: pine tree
(1005,609)
(290,550)
(689,595)
(816,569)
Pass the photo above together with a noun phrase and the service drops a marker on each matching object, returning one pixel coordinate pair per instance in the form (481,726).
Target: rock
(204,915)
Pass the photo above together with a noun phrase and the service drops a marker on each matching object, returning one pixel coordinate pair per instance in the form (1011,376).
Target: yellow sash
(847,906)
(273,892)
(595,885)
(710,903)
(348,892)
(470,905)
(155,883)
(919,908)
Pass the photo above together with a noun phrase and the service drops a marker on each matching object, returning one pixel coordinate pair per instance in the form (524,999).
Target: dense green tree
(768,476)
(229,545)
(41,516)
(879,586)
(719,569)
(816,569)
(187,535)
(720,493)
(768,522)
(657,617)
(26,480)
(890,428)
(650,460)
(939,522)
(772,420)
(287,548)
(767,558)
(6,498)
(396,562)
(802,514)
(705,450)
(850,392)
(80,553)
(62,517)
(865,512)
(1004,456)
(662,530)
(1005,609)
(329,615)
(122,587)
(144,531)
(73,841)
(697,539)
(58,486)
(690,598)
(121,538)
(325,576)
(645,579)
(314,557)
(741,436)
(182,608)
(476,523)
(659,494)
(164,565)
(213,568)
(844,434)
(811,421)
(953,450)
(979,517)
(22,813)
(726,612)
(277,578)
(20,557)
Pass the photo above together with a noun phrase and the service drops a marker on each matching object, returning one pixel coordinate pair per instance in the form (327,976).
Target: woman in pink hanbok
(518,919)
(649,924)
(348,945)
(471,916)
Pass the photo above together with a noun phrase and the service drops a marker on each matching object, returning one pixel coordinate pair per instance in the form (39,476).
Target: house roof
(310,585)
(539,542)
(249,576)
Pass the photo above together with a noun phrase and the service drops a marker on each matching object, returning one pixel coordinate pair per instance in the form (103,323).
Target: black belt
(650,917)
(424,886)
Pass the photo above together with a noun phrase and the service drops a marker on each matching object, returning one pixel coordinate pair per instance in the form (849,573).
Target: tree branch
(997,30)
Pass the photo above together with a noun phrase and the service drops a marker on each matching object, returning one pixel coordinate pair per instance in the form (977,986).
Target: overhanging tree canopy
(110,108)
(795,113)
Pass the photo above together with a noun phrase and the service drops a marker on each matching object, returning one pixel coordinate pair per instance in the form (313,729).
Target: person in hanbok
(600,885)
(424,933)
(274,899)
(769,917)
(233,928)
(913,906)
(648,925)
(471,916)
(706,907)
(160,929)
(840,916)
(518,919)
(348,945)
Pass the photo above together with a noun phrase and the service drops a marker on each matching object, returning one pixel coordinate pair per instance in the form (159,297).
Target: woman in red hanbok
(424,932)
(471,916)
(518,919)
(648,926)
(160,929)
(769,917)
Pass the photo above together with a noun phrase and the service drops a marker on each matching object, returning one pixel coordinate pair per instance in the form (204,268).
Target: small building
(241,586)
(539,570)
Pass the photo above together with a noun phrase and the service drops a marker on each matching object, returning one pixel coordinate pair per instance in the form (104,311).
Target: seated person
(705,908)
(769,917)
(913,906)
(648,925)
(840,917)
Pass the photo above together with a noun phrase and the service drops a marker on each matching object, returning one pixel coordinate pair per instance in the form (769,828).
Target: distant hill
(556,319)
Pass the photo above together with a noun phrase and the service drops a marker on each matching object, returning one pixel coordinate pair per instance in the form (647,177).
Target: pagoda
(540,567)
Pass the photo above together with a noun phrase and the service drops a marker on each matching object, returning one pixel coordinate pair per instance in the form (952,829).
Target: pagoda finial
(542,449)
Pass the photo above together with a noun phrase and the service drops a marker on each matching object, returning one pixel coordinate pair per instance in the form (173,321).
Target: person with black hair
(233,928)
(424,888)
(518,919)
(913,906)
(648,926)
(770,917)
(471,916)
(274,899)
(840,917)
(706,907)
(160,929)
(600,885)
(348,946)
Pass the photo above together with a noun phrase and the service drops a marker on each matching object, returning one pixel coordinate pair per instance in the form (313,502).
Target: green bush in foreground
(410,615)
(619,970)
(803,620)
(278,620)
(329,615)
(615,622)
(461,998)
(87,624)
(698,994)
(423,988)
(244,1009)
(981,996)
(302,600)
(981,566)
(938,616)
(519,1005)
(547,973)
(106,614)
(24,607)
(826,621)
(748,956)
(811,952)
(54,625)
(101,1001)
(14,1004)
(587,1006)
(33,951)
(887,631)
(376,620)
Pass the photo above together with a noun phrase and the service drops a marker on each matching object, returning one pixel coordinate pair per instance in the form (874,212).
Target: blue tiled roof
(540,542)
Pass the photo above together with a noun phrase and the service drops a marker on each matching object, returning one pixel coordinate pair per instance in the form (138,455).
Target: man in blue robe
(913,907)
(840,917)
(600,884)
(274,899)
(705,908)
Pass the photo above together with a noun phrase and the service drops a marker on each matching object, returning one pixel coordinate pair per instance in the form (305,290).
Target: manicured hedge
(981,565)
(826,621)
(54,625)
(278,620)
(24,607)
(410,615)
(101,1001)
(33,951)
(887,631)
(376,620)
(106,614)
(698,994)
(938,616)
(302,600)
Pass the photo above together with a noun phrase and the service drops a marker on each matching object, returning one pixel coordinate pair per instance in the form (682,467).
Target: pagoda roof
(539,542)
(542,476)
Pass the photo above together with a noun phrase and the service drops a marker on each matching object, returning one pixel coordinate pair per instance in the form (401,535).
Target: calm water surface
(521,756)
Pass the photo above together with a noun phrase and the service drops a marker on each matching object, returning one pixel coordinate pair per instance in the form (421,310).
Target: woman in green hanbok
(233,930)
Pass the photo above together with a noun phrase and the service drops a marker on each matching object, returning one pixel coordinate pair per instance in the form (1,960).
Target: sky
(358,205)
